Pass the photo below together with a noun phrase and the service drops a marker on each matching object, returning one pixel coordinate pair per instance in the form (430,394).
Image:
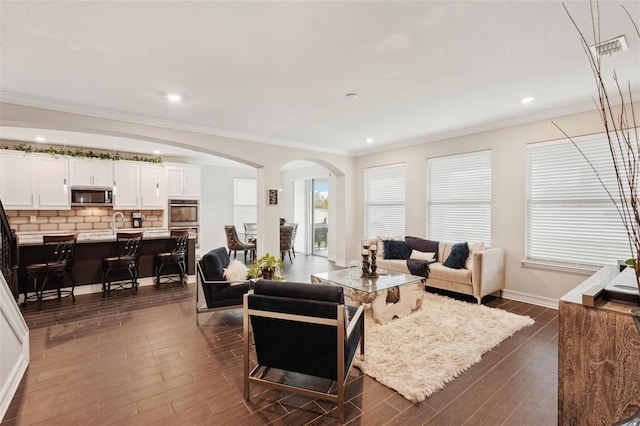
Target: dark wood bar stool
(128,246)
(59,251)
(177,256)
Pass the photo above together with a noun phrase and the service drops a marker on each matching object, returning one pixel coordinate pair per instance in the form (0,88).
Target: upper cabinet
(126,185)
(86,172)
(183,181)
(152,191)
(138,186)
(34,181)
(53,182)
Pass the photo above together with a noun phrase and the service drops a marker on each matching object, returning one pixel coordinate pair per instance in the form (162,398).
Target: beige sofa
(483,274)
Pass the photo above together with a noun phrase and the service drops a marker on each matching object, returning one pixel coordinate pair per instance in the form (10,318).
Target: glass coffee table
(405,291)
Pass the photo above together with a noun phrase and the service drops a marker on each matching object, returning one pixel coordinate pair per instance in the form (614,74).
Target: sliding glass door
(320,216)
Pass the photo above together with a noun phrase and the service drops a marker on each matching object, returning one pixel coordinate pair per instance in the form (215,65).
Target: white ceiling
(278,72)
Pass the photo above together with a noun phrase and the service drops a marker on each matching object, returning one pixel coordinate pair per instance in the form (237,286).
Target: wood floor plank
(141,359)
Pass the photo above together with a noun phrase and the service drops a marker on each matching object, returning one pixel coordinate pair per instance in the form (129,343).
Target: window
(459,197)
(571,220)
(244,202)
(384,200)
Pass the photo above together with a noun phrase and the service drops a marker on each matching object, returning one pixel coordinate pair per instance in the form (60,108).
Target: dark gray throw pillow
(396,249)
(420,244)
(458,256)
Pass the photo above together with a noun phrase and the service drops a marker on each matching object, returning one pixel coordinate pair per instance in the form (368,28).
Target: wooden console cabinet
(598,358)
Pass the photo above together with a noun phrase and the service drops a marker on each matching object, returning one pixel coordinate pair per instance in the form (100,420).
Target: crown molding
(43,103)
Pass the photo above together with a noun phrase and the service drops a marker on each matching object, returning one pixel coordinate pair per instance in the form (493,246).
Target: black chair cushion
(224,294)
(213,264)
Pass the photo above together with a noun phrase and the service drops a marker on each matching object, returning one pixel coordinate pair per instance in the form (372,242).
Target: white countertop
(35,238)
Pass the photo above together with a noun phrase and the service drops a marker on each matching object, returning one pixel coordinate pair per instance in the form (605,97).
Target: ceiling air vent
(609,47)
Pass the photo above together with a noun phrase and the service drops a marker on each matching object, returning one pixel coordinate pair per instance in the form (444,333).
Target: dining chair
(286,234)
(234,244)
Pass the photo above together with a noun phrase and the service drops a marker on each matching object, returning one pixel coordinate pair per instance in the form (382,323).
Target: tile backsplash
(78,219)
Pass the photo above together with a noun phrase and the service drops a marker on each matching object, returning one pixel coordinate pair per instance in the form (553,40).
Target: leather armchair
(301,328)
(214,293)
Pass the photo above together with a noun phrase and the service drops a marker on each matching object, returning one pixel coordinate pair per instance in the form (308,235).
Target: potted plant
(268,267)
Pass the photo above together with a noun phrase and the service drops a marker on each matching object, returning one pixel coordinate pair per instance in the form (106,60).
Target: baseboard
(97,288)
(545,302)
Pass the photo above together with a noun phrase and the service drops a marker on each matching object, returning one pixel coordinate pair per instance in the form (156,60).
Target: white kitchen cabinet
(138,186)
(52,182)
(152,193)
(126,190)
(183,181)
(34,181)
(87,172)
(18,184)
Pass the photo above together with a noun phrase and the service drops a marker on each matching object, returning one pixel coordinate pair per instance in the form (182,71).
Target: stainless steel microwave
(91,196)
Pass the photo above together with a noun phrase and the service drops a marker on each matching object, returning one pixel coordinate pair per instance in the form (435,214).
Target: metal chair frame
(336,391)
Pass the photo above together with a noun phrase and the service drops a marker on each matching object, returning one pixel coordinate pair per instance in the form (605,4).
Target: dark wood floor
(142,360)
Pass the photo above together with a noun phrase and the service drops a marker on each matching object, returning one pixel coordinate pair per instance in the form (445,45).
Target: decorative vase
(267,274)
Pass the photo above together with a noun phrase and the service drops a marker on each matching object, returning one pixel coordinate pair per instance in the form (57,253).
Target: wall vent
(609,47)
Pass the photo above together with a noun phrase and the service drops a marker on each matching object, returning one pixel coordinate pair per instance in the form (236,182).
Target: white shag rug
(420,353)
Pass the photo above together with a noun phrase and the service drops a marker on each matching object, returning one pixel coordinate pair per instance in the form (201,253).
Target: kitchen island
(92,247)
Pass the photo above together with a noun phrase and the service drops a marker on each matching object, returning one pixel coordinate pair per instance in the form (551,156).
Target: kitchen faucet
(113,221)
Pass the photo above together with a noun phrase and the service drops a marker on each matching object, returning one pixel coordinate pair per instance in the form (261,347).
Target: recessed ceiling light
(527,99)
(351,95)
(40,139)
(156,152)
(174,97)
(368,140)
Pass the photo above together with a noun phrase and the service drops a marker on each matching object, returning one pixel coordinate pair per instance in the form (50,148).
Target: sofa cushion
(423,255)
(397,265)
(458,256)
(382,238)
(473,247)
(396,250)
(438,271)
(420,244)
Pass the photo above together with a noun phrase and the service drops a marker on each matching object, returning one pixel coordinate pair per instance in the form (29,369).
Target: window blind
(459,197)
(244,202)
(570,218)
(384,199)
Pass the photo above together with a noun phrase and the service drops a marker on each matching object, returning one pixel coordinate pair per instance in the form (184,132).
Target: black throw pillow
(396,250)
(420,244)
(458,256)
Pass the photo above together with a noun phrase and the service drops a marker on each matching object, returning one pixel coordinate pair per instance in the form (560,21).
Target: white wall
(216,204)
(508,215)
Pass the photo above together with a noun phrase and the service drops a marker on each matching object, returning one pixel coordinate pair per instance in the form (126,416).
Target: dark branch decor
(615,105)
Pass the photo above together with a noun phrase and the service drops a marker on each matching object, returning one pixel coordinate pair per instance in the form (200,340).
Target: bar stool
(59,251)
(176,256)
(128,246)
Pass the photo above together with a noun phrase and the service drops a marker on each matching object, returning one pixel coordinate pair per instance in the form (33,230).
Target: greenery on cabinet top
(82,153)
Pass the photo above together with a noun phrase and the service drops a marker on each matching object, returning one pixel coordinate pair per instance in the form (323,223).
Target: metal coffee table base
(409,300)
